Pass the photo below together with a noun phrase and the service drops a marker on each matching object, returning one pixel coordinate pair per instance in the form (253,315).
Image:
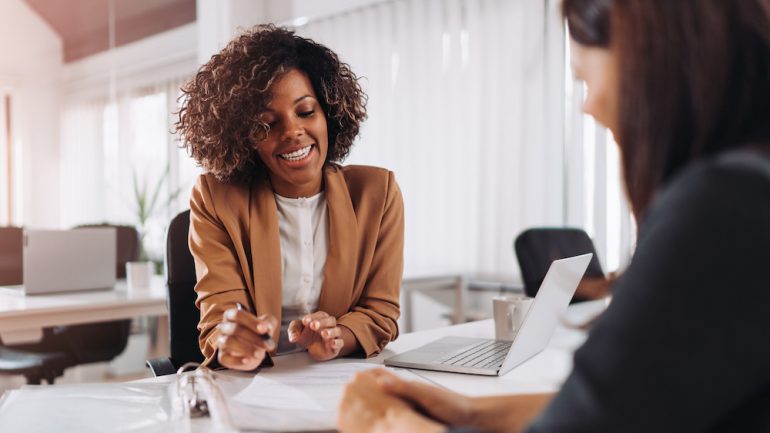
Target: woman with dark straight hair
(697,84)
(684,85)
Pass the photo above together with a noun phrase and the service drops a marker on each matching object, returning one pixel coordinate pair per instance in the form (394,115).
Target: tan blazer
(236,245)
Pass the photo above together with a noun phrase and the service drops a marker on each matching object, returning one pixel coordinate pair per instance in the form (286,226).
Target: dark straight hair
(588,21)
(694,81)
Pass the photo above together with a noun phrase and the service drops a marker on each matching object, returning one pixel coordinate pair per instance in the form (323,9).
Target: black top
(685,344)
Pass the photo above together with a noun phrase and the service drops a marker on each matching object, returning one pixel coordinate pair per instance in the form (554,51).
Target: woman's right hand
(494,414)
(240,344)
(440,404)
(364,408)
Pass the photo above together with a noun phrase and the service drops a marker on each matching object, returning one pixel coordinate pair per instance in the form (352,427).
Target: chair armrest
(161,366)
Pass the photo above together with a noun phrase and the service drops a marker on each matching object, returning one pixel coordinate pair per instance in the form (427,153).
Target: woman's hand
(440,404)
(596,287)
(495,414)
(241,345)
(365,407)
(319,334)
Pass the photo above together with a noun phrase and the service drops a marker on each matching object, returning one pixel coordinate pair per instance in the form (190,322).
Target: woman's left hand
(319,334)
(366,407)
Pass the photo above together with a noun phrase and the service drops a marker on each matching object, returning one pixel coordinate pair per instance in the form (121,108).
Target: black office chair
(536,248)
(183,315)
(34,366)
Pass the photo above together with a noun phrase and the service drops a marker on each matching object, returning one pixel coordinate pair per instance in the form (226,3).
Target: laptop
(69,260)
(491,357)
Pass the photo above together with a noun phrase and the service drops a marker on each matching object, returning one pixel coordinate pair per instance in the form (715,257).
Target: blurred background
(471,104)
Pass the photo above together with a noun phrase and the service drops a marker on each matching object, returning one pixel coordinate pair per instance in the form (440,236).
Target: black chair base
(35,367)
(161,366)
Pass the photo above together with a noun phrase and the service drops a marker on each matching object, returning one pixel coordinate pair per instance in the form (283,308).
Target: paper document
(301,398)
(313,387)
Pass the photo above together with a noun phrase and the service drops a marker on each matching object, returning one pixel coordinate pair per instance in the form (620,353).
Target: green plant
(148,202)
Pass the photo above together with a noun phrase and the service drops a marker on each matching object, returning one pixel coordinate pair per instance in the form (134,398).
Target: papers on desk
(316,387)
(300,398)
(283,398)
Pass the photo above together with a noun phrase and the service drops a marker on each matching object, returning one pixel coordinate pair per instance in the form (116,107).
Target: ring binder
(198,395)
(193,403)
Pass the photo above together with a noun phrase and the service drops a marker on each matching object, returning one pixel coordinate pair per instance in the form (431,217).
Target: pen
(267,338)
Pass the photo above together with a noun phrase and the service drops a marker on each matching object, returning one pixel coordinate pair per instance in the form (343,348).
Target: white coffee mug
(509,312)
(138,275)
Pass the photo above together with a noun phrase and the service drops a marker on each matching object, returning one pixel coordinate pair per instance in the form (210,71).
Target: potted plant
(148,203)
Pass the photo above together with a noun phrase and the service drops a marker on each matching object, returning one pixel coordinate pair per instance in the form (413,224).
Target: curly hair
(219,119)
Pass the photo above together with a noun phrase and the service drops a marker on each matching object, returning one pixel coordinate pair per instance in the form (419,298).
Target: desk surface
(23,317)
(544,372)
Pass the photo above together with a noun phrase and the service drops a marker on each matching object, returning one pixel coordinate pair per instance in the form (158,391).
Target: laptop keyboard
(486,354)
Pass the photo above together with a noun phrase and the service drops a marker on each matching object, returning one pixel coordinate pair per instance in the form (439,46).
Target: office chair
(536,248)
(183,315)
(35,367)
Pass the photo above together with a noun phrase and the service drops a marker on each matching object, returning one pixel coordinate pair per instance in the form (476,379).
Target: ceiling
(84,28)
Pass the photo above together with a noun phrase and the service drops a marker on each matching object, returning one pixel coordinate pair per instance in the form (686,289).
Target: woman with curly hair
(289,246)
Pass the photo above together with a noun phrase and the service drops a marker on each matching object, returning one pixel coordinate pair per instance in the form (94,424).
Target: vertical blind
(466,106)
(111,148)
(10,160)
(473,106)
(5,161)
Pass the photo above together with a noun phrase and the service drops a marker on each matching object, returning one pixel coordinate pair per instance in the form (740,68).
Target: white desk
(22,318)
(432,279)
(544,372)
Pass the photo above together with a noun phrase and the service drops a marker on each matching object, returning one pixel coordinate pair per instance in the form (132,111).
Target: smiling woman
(296,144)
(314,248)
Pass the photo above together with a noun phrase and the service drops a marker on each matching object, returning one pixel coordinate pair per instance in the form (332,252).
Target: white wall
(163,56)
(219,20)
(314,9)
(31,59)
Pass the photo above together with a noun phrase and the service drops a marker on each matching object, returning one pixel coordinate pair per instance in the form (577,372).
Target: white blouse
(304,231)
